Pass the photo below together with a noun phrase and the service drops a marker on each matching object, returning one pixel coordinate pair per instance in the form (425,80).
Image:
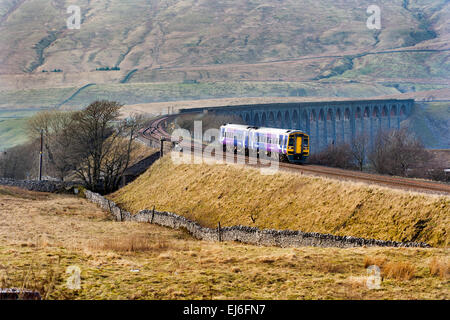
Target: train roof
(237,126)
(261,129)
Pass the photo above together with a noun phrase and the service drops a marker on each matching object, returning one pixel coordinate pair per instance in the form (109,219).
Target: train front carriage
(298,147)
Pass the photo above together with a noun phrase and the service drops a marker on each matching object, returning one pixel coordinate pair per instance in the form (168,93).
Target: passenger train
(290,145)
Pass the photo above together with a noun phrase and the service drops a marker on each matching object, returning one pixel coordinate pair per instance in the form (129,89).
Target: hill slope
(233,195)
(165,38)
(180,50)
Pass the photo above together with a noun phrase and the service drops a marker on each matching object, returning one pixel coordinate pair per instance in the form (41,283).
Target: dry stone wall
(39,186)
(249,235)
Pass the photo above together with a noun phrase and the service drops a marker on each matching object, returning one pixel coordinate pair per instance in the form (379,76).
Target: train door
(298,144)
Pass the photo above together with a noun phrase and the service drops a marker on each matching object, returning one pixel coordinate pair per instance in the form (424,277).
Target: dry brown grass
(328,267)
(440,267)
(36,277)
(143,261)
(131,243)
(399,270)
(374,261)
(236,195)
(391,269)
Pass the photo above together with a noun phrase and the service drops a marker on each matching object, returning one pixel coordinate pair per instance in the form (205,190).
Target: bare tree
(359,149)
(339,156)
(102,144)
(57,128)
(396,152)
(119,159)
(19,162)
(94,144)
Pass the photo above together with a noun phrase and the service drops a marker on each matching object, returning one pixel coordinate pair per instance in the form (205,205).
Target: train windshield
(305,141)
(291,141)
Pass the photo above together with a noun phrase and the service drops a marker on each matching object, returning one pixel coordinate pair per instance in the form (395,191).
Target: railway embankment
(244,234)
(235,195)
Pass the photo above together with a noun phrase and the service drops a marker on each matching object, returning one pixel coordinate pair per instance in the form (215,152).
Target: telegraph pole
(40,155)
(161,152)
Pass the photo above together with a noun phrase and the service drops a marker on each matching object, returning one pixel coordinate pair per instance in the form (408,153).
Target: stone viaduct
(325,122)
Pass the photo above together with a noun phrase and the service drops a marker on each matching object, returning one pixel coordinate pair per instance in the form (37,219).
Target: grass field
(41,235)
(33,98)
(237,195)
(13,127)
(137,93)
(12,133)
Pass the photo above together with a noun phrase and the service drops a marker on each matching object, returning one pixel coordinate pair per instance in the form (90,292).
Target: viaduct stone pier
(325,122)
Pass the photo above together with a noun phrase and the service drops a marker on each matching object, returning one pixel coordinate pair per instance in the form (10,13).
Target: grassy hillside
(44,234)
(242,196)
(431,122)
(136,93)
(161,36)
(33,98)
(13,127)
(12,133)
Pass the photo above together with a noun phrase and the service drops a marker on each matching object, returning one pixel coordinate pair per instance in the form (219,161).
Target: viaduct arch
(325,122)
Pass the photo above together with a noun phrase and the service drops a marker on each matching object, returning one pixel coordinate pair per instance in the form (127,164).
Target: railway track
(155,131)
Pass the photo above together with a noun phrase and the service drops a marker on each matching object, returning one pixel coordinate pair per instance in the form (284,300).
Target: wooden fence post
(219,232)
(161,151)
(153,214)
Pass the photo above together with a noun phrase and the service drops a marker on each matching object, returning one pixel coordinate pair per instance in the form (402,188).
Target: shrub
(399,270)
(393,270)
(339,156)
(374,261)
(439,268)
(396,152)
